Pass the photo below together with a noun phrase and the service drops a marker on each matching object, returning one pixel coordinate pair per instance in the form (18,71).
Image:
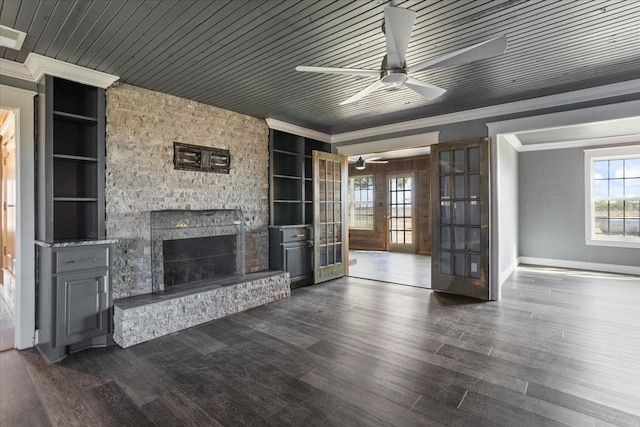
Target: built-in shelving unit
(290,186)
(71,162)
(291,204)
(74,259)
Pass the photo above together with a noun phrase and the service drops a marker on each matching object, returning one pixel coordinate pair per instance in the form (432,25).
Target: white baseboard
(580,265)
(504,275)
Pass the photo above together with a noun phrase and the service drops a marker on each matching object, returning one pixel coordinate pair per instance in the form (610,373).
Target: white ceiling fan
(360,163)
(394,72)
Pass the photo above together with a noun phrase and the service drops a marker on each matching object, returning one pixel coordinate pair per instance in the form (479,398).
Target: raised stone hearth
(145,317)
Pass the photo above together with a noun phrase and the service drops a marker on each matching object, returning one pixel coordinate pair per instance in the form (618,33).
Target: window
(361,202)
(612,176)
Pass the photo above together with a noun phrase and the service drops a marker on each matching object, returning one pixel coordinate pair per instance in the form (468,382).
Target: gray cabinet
(82,306)
(73,280)
(74,296)
(291,250)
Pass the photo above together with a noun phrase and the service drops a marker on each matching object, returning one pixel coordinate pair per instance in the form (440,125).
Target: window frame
(352,202)
(590,156)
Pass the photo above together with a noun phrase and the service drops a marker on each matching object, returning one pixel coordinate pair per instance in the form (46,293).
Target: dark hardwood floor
(561,348)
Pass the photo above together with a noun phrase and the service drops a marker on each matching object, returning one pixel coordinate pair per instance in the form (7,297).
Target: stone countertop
(75,243)
(291,226)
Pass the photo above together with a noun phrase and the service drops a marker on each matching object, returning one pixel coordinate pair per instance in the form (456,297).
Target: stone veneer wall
(141,128)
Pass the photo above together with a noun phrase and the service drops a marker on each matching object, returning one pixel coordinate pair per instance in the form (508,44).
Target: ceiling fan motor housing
(393,77)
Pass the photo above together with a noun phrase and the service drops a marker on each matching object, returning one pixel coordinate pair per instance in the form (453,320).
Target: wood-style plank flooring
(393,267)
(561,348)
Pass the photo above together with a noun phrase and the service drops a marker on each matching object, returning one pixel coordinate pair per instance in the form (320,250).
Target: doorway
(20,102)
(400,213)
(8,232)
(390,220)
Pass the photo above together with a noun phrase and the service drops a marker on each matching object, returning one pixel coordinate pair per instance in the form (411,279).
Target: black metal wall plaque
(199,158)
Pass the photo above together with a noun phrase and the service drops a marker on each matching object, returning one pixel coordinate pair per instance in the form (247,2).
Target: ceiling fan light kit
(361,163)
(394,73)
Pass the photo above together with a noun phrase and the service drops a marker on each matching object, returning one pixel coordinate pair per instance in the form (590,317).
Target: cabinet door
(82,306)
(296,259)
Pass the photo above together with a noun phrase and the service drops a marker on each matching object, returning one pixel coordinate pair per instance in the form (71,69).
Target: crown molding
(40,65)
(381,145)
(297,130)
(15,70)
(582,95)
(581,143)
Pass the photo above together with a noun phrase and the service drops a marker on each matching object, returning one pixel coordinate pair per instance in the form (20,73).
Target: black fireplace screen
(189,247)
(197,259)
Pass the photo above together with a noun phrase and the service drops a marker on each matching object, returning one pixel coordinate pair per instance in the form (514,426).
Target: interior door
(460,213)
(400,213)
(330,250)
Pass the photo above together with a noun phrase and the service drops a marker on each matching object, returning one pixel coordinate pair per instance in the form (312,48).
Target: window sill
(615,243)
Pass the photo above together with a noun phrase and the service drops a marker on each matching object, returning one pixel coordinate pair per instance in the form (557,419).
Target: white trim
(297,130)
(582,95)
(20,101)
(579,265)
(579,143)
(614,152)
(600,154)
(513,140)
(389,144)
(40,65)
(612,242)
(504,275)
(15,69)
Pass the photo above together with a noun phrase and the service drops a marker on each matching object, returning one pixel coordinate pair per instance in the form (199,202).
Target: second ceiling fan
(394,71)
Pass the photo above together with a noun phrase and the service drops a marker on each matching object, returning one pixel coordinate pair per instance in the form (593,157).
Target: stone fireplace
(198,275)
(156,289)
(191,248)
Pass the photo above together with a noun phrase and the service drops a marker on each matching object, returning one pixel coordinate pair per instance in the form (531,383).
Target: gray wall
(552,210)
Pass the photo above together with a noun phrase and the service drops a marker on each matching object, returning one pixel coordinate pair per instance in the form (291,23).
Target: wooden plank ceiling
(241,54)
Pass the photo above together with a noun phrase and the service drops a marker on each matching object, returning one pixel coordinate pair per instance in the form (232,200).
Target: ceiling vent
(11,38)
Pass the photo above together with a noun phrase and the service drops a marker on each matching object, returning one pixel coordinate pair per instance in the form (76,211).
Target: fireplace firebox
(195,247)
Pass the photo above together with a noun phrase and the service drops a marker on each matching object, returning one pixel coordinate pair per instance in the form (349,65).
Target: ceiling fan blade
(425,89)
(486,49)
(349,71)
(364,92)
(376,161)
(398,23)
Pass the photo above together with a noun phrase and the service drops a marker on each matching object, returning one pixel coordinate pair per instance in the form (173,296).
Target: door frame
(391,247)
(21,102)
